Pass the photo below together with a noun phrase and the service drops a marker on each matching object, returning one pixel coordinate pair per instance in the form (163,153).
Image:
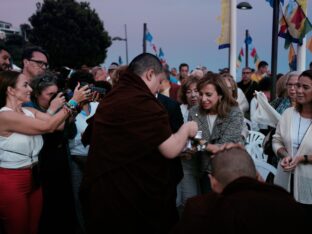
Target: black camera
(99,90)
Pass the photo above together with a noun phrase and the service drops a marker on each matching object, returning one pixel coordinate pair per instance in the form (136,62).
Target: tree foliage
(15,44)
(71,32)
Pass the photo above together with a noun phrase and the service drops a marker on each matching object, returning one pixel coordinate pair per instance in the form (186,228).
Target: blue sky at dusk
(186,30)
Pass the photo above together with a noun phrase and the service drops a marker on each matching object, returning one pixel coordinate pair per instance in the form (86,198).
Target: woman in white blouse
(20,143)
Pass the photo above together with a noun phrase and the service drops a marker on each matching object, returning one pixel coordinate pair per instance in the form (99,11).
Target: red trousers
(20,202)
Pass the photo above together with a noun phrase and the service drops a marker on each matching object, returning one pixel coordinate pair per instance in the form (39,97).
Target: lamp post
(245,6)
(233,6)
(123,39)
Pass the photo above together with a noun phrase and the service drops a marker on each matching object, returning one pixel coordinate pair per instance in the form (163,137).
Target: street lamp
(245,6)
(125,39)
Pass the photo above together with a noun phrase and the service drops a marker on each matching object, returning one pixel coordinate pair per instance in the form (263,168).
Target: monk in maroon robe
(126,184)
(240,203)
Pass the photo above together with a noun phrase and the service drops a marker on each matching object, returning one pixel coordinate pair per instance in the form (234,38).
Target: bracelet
(50,112)
(73,102)
(306,160)
(67,109)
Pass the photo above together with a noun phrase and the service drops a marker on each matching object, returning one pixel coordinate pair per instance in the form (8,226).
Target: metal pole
(276,5)
(126,40)
(233,39)
(301,51)
(246,45)
(144,41)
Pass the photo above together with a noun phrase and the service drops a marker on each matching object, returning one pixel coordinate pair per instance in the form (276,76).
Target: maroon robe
(125,187)
(245,206)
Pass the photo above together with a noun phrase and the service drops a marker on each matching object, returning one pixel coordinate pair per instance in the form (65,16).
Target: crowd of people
(143,148)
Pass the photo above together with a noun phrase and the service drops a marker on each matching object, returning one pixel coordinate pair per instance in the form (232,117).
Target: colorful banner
(224,38)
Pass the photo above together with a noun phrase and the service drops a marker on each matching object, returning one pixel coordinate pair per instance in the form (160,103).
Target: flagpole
(301,51)
(126,40)
(276,5)
(144,40)
(246,44)
(233,39)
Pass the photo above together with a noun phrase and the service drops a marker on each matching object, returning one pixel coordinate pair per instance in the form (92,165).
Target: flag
(224,39)
(148,37)
(286,30)
(292,58)
(309,44)
(306,28)
(298,17)
(240,58)
(161,53)
(253,52)
(154,48)
(271,2)
(294,24)
(120,60)
(248,39)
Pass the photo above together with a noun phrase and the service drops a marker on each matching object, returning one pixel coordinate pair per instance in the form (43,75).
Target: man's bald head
(228,165)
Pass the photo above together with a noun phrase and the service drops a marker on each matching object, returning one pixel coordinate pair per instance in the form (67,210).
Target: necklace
(298,135)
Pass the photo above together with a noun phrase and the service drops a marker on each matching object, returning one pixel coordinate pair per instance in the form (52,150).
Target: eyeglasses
(41,64)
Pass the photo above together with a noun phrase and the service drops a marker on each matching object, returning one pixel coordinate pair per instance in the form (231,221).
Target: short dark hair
(3,47)
(143,62)
(228,165)
(81,77)
(28,52)
(183,65)
(7,79)
(262,64)
(265,84)
(310,65)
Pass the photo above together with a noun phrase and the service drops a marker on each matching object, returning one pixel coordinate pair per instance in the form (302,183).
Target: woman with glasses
(286,92)
(20,144)
(218,117)
(189,185)
(292,144)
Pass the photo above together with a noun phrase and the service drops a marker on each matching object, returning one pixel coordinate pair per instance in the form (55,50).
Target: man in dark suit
(176,171)
(239,202)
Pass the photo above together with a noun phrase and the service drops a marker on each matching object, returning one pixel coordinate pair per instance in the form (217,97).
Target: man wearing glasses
(35,62)
(247,85)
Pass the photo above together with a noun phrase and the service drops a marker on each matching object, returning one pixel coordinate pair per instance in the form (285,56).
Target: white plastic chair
(253,145)
(264,168)
(248,124)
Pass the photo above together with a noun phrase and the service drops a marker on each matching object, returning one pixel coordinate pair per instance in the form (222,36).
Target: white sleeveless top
(19,150)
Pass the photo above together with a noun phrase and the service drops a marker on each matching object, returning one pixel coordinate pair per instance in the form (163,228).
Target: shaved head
(231,164)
